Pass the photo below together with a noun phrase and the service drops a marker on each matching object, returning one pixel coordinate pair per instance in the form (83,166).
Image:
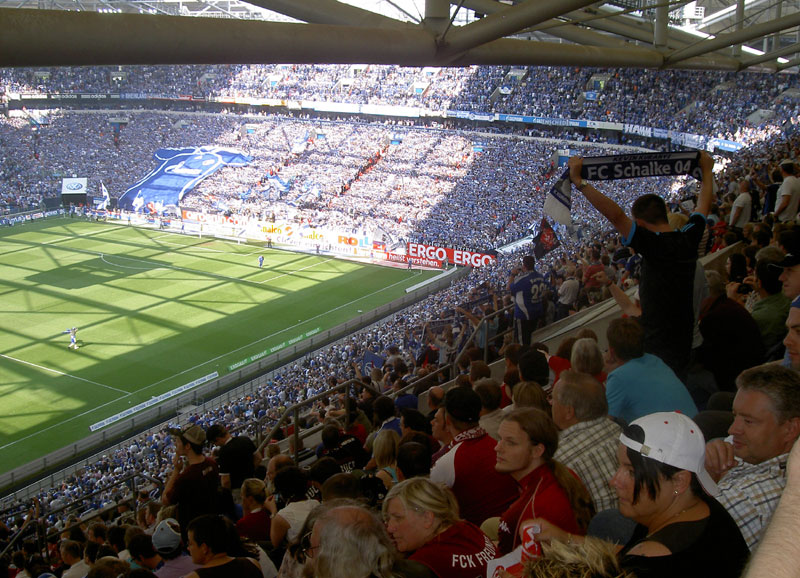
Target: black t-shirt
(239,567)
(236,458)
(666,289)
(710,547)
(349,454)
(771,193)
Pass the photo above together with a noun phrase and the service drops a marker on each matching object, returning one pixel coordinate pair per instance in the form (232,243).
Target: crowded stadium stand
(436,167)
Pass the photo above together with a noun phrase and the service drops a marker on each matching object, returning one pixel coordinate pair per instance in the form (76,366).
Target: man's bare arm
(707,187)
(608,208)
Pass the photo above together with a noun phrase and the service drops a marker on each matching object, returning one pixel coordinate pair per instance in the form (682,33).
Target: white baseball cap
(673,439)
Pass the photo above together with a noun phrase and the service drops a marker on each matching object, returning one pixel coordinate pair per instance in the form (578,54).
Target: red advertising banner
(453,256)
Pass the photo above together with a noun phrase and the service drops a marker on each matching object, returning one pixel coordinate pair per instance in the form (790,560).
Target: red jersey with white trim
(461,551)
(468,469)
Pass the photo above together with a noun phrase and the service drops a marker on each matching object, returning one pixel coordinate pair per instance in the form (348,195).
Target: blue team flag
(106,197)
(369,361)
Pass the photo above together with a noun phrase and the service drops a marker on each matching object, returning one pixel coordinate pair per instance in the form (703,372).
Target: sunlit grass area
(154,311)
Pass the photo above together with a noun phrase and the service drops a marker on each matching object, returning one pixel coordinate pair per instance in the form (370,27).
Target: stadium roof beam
(627,27)
(214,5)
(329,12)
(437,16)
(734,38)
(59,38)
(579,35)
(774,55)
(612,22)
(661,28)
(509,21)
(522,52)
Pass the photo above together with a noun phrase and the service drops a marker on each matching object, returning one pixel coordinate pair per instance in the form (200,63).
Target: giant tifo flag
(179,171)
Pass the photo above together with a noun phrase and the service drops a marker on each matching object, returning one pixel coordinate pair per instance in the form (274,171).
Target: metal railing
(483,325)
(40,530)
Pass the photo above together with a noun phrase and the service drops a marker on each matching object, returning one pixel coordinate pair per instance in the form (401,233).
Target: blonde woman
(529,394)
(255,524)
(422,519)
(384,452)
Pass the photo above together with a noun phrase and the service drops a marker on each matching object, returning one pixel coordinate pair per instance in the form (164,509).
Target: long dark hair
(738,267)
(648,473)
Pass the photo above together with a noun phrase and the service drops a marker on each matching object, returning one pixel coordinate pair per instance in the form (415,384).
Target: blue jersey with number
(528,291)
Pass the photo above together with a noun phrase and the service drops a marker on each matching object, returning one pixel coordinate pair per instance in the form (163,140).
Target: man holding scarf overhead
(669,257)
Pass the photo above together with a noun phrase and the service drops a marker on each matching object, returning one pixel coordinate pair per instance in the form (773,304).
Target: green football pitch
(154,311)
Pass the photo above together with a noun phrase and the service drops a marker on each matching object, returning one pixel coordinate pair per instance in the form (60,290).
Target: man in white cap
(750,464)
(167,542)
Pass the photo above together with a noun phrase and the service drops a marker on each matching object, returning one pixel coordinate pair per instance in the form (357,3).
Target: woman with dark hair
(528,441)
(214,544)
(736,267)
(291,483)
(662,484)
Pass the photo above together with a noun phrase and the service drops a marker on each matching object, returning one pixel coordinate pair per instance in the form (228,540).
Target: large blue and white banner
(180,171)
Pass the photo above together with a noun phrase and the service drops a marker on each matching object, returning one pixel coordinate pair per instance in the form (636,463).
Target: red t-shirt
(557,365)
(255,526)
(589,272)
(505,399)
(358,431)
(541,497)
(468,469)
(461,551)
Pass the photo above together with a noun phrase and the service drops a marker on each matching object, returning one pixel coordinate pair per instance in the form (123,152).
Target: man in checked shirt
(588,440)
(750,464)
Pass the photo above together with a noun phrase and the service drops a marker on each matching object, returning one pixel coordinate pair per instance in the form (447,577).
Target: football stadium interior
(265,216)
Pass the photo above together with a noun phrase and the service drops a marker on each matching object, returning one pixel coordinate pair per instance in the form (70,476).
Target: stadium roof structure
(708,34)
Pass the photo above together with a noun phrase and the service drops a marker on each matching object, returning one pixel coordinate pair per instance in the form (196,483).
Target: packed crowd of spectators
(407,334)
(478,200)
(430,187)
(700,102)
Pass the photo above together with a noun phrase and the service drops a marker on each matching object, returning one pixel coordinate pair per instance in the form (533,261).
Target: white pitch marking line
(416,273)
(293,272)
(43,368)
(59,424)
